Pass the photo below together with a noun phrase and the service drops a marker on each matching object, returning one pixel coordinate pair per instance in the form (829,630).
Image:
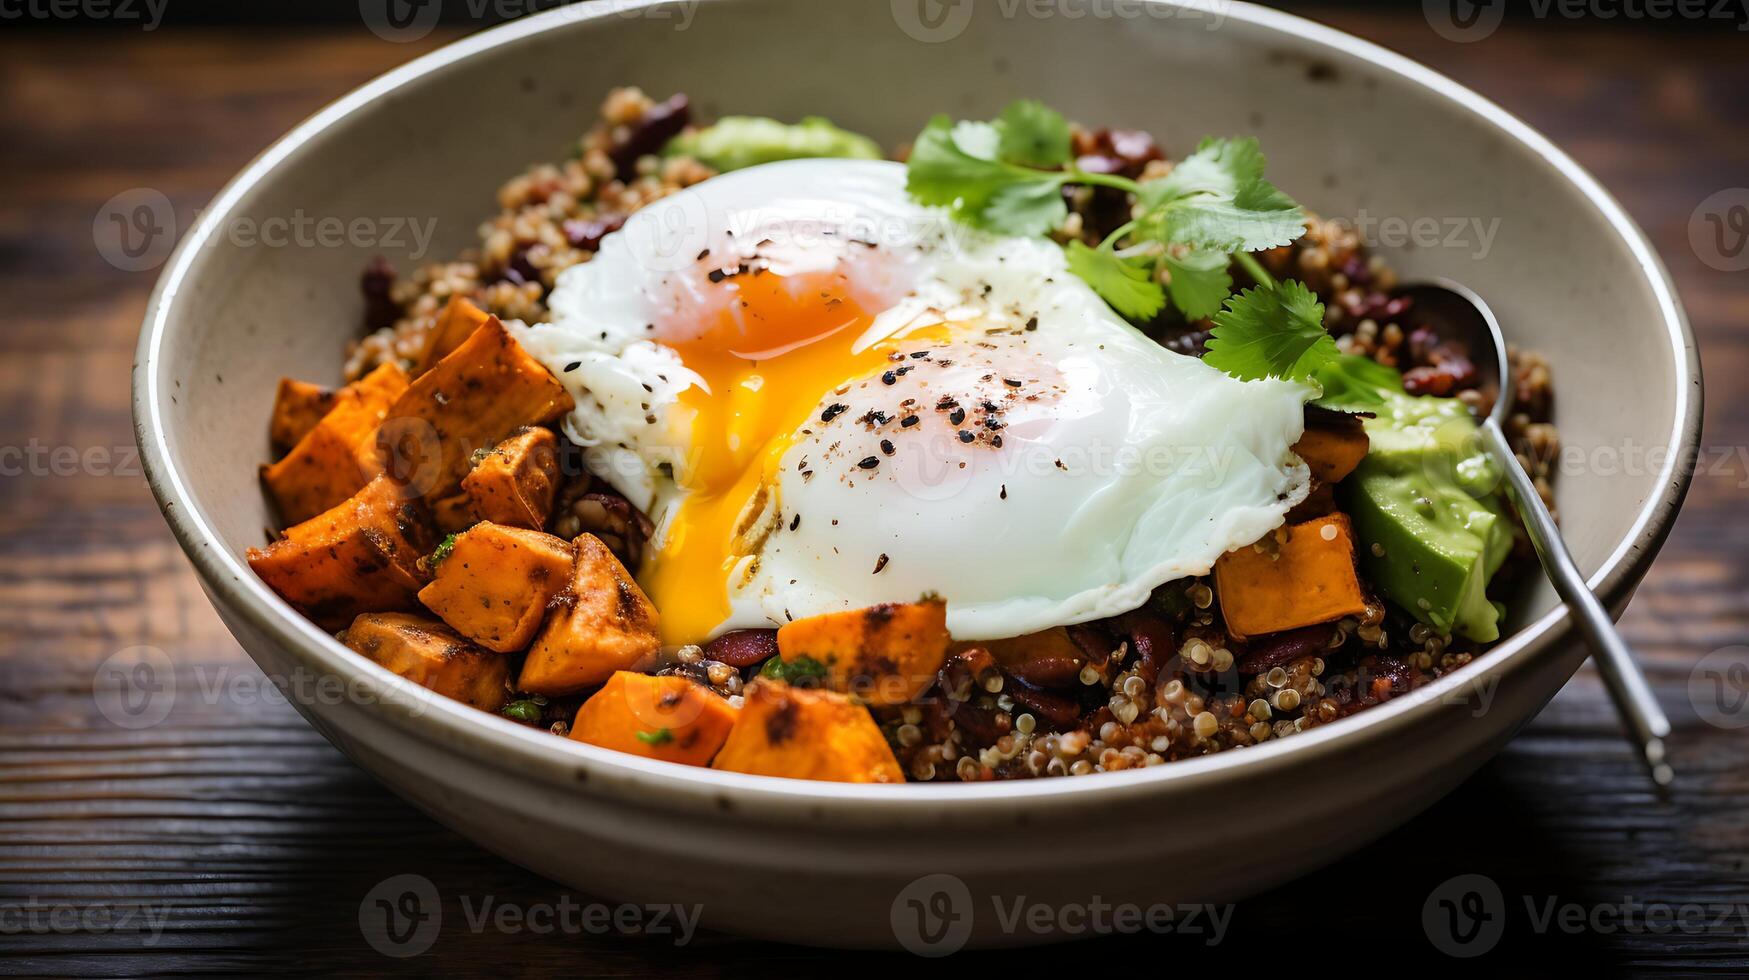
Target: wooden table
(257,841)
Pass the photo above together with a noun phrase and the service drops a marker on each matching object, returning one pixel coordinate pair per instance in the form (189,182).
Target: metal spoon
(1455,312)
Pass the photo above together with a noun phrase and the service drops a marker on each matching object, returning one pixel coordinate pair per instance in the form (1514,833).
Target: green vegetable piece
(660,736)
(1430,526)
(525,711)
(803,671)
(441,552)
(736,142)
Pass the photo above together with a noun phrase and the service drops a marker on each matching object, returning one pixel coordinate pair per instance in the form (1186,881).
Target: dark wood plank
(257,841)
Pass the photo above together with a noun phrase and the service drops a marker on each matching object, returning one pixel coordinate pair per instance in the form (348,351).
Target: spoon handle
(1627,684)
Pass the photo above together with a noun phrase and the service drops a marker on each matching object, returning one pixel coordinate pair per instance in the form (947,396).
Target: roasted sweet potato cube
(807,734)
(517,481)
(1332,445)
(494,585)
(484,390)
(885,654)
(456,322)
(338,456)
(600,624)
(1308,579)
(432,655)
(361,556)
(297,407)
(669,718)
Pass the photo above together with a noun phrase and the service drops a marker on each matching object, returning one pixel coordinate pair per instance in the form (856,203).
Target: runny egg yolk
(767,361)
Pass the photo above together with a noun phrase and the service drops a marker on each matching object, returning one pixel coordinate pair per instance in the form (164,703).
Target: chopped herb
(660,736)
(442,551)
(526,711)
(802,671)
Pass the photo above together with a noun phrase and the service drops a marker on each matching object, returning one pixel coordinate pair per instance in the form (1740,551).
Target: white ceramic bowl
(1352,130)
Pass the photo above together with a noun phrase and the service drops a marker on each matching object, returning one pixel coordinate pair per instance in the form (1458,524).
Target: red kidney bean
(1152,643)
(660,123)
(1047,672)
(1280,649)
(587,233)
(742,648)
(1053,710)
(378,279)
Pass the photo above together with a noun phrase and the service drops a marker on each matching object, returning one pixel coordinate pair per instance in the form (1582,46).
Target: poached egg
(827,397)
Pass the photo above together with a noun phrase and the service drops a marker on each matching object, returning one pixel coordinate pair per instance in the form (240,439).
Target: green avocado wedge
(1431,527)
(737,142)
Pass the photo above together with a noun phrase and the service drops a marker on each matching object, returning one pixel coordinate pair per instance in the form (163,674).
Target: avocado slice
(735,142)
(1430,526)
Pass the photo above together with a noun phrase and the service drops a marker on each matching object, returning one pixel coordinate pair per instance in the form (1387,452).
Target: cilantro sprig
(1277,331)
(1008,176)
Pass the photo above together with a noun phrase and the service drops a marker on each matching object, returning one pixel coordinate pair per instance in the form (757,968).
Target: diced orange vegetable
(337,457)
(1332,445)
(431,655)
(484,390)
(494,586)
(1312,580)
(807,734)
(669,718)
(600,624)
(1046,655)
(297,407)
(456,322)
(517,481)
(361,556)
(885,654)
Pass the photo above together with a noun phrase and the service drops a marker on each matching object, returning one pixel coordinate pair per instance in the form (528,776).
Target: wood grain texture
(256,841)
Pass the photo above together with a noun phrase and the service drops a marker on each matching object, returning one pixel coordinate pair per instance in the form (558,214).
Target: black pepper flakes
(957,416)
(1010,382)
(889,378)
(869,462)
(887,446)
(574,365)
(966,435)
(908,421)
(880,563)
(833,411)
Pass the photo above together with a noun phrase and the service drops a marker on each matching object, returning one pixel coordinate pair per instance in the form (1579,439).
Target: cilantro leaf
(1217,199)
(803,671)
(1356,384)
(1032,134)
(1198,282)
(661,736)
(1033,208)
(1129,288)
(1272,331)
(944,171)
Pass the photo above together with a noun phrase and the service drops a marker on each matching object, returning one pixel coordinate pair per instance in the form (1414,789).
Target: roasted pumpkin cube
(361,556)
(807,734)
(484,390)
(456,322)
(338,456)
(600,624)
(1310,578)
(1332,445)
(297,407)
(432,655)
(885,654)
(669,718)
(517,482)
(494,585)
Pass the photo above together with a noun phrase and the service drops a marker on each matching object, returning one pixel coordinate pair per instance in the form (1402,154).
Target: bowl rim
(576,767)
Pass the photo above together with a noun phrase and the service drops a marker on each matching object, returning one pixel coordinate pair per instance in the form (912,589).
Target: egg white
(1121,465)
